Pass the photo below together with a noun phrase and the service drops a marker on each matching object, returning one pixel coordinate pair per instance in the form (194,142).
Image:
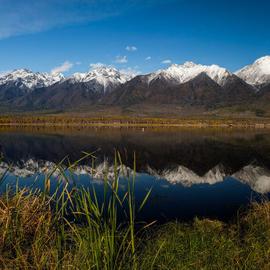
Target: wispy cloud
(131,48)
(121,59)
(30,16)
(66,66)
(131,71)
(166,61)
(97,65)
(148,58)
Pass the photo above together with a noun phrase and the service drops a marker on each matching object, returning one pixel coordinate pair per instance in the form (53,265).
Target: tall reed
(71,228)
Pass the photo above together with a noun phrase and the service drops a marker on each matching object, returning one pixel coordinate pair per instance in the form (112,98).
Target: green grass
(211,244)
(72,229)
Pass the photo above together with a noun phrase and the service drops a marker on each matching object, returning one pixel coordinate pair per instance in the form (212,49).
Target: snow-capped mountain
(26,79)
(258,73)
(189,70)
(188,84)
(78,90)
(102,78)
(185,85)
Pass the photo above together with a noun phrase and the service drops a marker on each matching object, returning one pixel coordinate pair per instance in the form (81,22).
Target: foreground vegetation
(211,244)
(72,228)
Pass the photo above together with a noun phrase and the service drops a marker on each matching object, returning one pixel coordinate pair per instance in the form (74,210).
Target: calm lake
(192,172)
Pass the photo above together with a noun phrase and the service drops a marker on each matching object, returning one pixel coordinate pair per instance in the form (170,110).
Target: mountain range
(183,86)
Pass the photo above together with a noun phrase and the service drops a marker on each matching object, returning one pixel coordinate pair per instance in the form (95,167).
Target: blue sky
(70,35)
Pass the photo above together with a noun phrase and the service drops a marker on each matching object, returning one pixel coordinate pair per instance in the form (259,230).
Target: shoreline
(137,122)
(245,125)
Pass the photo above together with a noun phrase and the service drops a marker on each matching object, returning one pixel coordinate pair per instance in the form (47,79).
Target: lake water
(196,172)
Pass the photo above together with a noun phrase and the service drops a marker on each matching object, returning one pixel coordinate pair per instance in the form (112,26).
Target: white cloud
(121,59)
(148,58)
(66,66)
(31,16)
(132,72)
(97,65)
(166,61)
(131,48)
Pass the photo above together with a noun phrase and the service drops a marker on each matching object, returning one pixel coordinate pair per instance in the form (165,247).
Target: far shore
(141,122)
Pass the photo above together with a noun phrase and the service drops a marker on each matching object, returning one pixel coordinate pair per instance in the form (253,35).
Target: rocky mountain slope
(187,85)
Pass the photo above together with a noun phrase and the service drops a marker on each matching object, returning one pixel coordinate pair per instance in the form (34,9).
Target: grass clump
(27,231)
(205,244)
(211,244)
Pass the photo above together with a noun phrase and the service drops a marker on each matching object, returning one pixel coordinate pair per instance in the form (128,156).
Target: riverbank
(34,236)
(210,244)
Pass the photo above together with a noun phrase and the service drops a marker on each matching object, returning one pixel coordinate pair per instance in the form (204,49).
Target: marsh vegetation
(71,228)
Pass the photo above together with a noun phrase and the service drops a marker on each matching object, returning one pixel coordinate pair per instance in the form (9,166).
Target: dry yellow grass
(30,239)
(121,121)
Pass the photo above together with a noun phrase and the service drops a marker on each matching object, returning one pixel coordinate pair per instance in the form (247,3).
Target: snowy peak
(104,74)
(24,78)
(105,77)
(257,73)
(264,60)
(77,77)
(189,64)
(189,70)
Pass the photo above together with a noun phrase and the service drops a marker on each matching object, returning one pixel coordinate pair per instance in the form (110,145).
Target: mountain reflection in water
(189,164)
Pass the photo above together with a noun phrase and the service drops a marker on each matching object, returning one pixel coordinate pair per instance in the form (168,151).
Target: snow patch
(104,77)
(189,70)
(257,73)
(24,78)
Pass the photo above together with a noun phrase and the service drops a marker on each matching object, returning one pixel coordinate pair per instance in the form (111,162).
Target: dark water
(210,173)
